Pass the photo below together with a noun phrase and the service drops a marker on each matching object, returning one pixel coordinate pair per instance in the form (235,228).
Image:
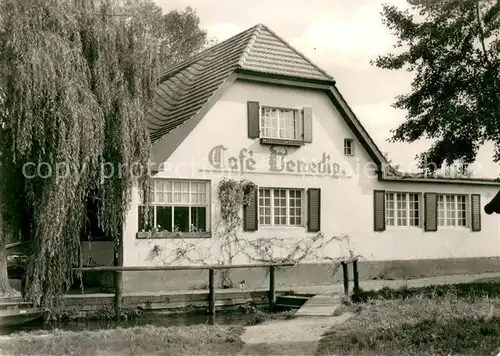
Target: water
(163,320)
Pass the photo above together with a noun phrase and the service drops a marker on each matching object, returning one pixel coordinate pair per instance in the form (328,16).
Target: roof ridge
(200,55)
(322,71)
(185,89)
(249,46)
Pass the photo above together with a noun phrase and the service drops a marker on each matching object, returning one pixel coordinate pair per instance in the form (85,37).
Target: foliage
(77,79)
(258,316)
(418,326)
(476,290)
(61,318)
(17,261)
(178,32)
(458,169)
(452,48)
(389,161)
(232,196)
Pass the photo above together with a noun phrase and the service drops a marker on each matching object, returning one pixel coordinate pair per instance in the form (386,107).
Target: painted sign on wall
(276,161)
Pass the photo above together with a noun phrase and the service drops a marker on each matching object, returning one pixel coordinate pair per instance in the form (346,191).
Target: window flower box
(173,235)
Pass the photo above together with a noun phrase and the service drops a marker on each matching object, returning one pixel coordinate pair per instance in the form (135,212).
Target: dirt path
(298,336)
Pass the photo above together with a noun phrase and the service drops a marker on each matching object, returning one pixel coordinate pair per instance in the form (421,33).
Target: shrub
(461,290)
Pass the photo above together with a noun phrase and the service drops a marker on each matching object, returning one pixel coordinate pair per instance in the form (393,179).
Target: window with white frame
(402,209)
(280,207)
(452,210)
(178,206)
(279,123)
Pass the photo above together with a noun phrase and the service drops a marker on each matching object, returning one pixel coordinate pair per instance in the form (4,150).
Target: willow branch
(481,33)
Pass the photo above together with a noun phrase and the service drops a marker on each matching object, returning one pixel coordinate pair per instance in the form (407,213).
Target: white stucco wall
(346,204)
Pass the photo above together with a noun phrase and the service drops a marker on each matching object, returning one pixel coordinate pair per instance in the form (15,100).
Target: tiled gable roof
(270,54)
(186,87)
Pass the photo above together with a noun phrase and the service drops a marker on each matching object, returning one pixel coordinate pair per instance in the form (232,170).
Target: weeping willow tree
(76,78)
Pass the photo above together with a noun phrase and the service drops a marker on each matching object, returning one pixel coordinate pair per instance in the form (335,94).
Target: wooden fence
(211,279)
(345,272)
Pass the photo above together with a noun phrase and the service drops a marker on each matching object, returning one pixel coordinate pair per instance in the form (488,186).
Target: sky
(340,37)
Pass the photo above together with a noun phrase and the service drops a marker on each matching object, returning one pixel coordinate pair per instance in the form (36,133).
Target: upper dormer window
(279,126)
(279,123)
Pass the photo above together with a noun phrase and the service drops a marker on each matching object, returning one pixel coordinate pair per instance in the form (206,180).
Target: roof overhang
(438,180)
(283,79)
(390,174)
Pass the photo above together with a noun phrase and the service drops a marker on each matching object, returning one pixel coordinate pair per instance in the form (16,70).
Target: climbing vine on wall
(233,195)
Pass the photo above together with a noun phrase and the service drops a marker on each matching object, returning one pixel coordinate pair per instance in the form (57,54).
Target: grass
(419,324)
(258,316)
(476,290)
(147,340)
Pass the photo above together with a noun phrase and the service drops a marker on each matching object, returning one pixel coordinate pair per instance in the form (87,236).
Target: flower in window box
(177,233)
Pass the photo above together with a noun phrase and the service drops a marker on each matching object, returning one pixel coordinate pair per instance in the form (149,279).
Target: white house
(254,108)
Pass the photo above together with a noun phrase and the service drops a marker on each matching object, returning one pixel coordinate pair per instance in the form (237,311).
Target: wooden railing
(345,272)
(211,279)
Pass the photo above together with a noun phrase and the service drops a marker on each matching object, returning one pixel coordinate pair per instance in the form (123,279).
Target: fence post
(272,287)
(346,278)
(211,292)
(118,294)
(356,277)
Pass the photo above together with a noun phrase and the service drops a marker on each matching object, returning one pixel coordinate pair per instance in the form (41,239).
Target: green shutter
(379,210)
(430,206)
(307,124)
(314,210)
(300,124)
(475,203)
(250,214)
(253,119)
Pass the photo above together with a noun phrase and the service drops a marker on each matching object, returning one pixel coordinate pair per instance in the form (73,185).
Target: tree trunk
(118,277)
(5,288)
